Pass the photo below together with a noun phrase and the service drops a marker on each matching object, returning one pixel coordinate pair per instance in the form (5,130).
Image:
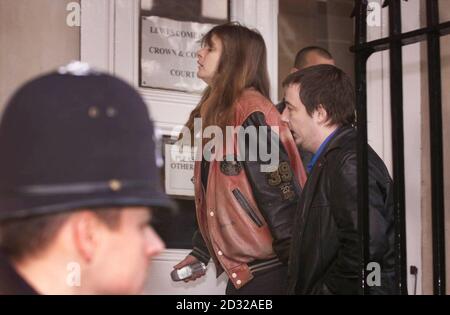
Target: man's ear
(86,234)
(321,115)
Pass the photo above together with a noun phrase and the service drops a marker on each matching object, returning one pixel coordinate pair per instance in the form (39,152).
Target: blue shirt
(315,157)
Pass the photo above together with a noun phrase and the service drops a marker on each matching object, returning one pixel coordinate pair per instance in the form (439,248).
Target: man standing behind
(307,57)
(325,251)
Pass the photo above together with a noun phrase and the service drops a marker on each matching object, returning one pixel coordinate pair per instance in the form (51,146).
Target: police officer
(78,183)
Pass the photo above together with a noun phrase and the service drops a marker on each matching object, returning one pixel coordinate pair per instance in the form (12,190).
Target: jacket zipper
(246,206)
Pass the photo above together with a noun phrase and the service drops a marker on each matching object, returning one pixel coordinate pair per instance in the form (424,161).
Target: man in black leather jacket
(325,254)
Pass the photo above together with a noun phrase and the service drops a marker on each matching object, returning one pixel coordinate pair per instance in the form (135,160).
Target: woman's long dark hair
(242,65)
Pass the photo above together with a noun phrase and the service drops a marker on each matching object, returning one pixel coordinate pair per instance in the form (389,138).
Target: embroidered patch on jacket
(287,191)
(282,178)
(230,168)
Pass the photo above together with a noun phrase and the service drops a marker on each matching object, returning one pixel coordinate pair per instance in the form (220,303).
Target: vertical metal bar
(396,86)
(437,169)
(361,114)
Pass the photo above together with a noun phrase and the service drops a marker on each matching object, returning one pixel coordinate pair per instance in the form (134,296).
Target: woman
(244,214)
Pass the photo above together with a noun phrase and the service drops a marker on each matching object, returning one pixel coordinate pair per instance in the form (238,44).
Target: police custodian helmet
(77,139)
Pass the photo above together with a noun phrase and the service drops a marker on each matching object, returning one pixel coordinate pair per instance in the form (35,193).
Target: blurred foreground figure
(78,182)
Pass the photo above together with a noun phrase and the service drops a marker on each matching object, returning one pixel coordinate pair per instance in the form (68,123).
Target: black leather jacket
(325,251)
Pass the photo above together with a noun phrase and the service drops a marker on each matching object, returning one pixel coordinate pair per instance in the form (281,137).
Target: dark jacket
(11,283)
(325,250)
(244,214)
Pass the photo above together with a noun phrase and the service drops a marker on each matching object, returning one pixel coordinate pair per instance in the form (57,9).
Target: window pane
(444,10)
(377,20)
(413,15)
(303,23)
(170,35)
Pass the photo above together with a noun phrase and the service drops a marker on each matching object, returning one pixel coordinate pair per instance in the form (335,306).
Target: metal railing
(394,43)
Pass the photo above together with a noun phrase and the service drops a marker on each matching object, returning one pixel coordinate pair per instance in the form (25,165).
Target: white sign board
(179,170)
(169,54)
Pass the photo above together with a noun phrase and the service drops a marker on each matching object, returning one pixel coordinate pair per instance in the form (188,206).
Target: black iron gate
(394,43)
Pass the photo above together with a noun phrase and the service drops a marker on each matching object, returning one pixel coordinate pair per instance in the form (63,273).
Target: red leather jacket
(245,215)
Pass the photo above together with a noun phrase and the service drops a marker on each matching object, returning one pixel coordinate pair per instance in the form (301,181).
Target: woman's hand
(189,260)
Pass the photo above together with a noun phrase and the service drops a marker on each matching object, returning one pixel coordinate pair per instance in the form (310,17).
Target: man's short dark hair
(328,86)
(26,237)
(300,58)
